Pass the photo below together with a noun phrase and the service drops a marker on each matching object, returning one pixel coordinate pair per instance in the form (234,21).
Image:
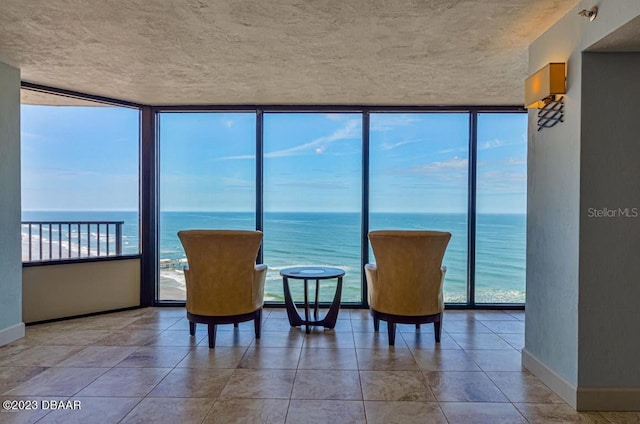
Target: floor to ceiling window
(80,178)
(297,175)
(419,181)
(309,200)
(501,208)
(207,181)
(312,198)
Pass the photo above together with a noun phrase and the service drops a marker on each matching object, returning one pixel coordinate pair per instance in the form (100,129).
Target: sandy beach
(172,284)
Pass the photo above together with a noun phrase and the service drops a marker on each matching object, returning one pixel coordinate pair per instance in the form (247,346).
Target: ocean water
(333,239)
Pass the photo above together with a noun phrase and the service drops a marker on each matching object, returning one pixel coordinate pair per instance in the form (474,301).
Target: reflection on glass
(502,207)
(312,198)
(419,181)
(80,174)
(207,181)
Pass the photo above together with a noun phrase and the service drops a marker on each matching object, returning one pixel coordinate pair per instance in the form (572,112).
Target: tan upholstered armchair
(224,284)
(405,284)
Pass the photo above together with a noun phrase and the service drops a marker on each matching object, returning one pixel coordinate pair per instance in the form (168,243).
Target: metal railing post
(30,243)
(119,238)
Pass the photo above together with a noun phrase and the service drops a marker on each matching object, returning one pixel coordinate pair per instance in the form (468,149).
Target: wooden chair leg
(257,323)
(376,324)
(437,326)
(417,326)
(212,336)
(235,325)
(192,328)
(391,330)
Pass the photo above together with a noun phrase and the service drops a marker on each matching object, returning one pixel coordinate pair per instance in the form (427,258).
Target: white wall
(609,330)
(553,210)
(67,290)
(569,289)
(11,326)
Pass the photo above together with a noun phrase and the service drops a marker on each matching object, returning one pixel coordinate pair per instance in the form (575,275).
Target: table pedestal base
(329,321)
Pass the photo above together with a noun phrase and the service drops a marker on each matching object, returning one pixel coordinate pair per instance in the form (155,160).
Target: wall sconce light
(543,90)
(589,13)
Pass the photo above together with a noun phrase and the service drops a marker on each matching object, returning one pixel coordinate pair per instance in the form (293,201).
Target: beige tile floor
(142,366)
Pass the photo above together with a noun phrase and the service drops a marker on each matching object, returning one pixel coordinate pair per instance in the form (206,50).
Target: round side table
(307,273)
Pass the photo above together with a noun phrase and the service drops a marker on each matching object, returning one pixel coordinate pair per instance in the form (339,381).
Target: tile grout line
(355,351)
(494,383)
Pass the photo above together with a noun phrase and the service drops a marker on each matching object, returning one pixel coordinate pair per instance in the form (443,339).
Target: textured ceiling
(385,52)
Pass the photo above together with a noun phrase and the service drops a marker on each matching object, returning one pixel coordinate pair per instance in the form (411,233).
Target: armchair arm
(443,270)
(187,276)
(260,271)
(259,277)
(371,273)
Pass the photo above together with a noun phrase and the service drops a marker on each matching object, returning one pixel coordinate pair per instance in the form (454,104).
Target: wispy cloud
(506,163)
(450,172)
(452,150)
(31,136)
(504,176)
(237,157)
(389,121)
(50,182)
(455,164)
(195,177)
(486,145)
(391,146)
(497,143)
(320,185)
(503,182)
(337,116)
(491,144)
(349,131)
(515,161)
(233,182)
(60,172)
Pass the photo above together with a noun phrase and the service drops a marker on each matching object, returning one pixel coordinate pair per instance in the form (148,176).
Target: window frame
(110,102)
(149,181)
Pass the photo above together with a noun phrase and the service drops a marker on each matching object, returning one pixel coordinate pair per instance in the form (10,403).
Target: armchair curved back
(222,278)
(408,278)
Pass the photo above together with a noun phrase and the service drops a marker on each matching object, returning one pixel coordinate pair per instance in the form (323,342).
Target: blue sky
(86,158)
(79,158)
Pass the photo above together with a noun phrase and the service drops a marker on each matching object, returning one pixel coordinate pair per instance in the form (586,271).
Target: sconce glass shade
(548,81)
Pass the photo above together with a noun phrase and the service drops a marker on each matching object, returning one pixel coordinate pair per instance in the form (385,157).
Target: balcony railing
(64,240)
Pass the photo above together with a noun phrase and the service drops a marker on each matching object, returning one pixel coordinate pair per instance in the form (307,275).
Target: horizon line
(283,211)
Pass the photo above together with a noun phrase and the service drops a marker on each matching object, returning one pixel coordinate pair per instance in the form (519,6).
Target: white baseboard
(557,383)
(608,399)
(583,398)
(11,334)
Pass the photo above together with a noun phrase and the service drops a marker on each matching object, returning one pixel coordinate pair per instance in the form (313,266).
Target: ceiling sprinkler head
(589,13)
